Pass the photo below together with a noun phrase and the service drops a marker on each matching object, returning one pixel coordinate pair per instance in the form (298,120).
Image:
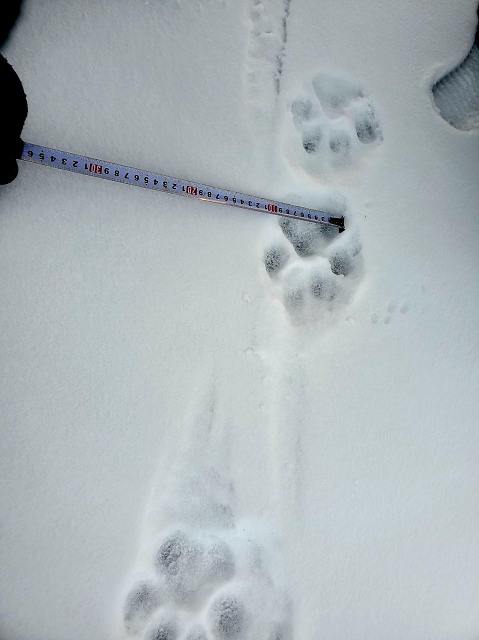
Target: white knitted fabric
(457,94)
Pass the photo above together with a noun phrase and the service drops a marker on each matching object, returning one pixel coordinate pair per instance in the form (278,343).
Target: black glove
(15,111)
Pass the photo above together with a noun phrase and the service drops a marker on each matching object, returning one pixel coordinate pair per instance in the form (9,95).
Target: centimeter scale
(177,186)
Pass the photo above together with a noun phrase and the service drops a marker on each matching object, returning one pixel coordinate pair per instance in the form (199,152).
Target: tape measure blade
(65,160)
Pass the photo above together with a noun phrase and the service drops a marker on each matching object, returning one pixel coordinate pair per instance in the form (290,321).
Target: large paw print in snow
(204,580)
(332,124)
(200,589)
(313,270)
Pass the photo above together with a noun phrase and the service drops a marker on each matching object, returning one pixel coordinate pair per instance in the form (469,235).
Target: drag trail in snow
(266,49)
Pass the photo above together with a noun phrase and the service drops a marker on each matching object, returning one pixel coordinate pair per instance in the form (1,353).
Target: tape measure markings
(137,177)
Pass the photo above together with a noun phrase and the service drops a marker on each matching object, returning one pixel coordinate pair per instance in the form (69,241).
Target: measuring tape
(158,182)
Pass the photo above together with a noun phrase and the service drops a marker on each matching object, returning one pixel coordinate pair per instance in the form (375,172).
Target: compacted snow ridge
(221,425)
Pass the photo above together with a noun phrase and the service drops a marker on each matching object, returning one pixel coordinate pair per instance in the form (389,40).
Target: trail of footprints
(312,269)
(332,125)
(207,578)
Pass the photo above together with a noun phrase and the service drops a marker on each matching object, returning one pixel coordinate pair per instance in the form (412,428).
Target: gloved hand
(15,111)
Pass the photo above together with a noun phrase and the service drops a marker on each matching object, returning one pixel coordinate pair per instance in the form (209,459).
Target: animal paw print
(390,309)
(333,124)
(317,270)
(201,590)
(200,573)
(204,578)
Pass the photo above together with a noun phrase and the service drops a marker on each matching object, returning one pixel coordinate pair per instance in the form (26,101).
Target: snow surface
(195,447)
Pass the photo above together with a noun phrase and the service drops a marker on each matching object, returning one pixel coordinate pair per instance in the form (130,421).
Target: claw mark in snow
(284,24)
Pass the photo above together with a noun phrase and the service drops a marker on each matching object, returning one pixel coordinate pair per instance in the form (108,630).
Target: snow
(193,447)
